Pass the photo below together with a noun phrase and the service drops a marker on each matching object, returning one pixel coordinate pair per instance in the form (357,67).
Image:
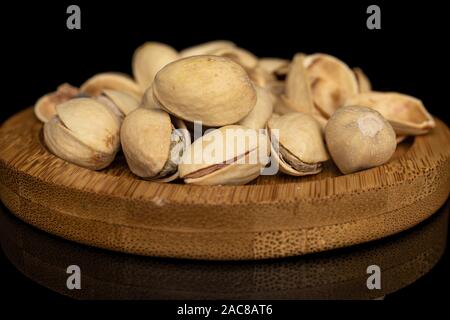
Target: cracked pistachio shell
(45,107)
(83,132)
(148,59)
(148,144)
(406,114)
(213,90)
(111,80)
(301,148)
(332,82)
(206,48)
(261,112)
(231,155)
(359,138)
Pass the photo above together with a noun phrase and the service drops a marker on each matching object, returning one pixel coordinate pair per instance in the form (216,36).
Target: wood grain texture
(339,274)
(272,217)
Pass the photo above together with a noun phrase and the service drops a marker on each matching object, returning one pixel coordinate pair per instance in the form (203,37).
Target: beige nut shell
(302,136)
(145,137)
(148,59)
(332,82)
(261,112)
(83,132)
(214,90)
(199,156)
(406,114)
(359,138)
(111,80)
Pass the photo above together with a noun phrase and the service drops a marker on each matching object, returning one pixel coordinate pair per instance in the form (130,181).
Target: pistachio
(83,132)
(151,144)
(359,138)
(211,89)
(406,114)
(230,155)
(261,112)
(111,80)
(45,107)
(299,148)
(206,48)
(148,59)
(332,82)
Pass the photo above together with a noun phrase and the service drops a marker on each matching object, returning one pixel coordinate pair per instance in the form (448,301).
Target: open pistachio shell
(359,138)
(406,114)
(148,59)
(45,107)
(364,84)
(111,80)
(261,112)
(332,82)
(151,145)
(244,57)
(298,91)
(83,132)
(283,105)
(206,48)
(299,148)
(230,155)
(213,90)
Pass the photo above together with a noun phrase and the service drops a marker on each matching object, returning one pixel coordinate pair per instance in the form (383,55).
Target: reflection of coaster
(335,275)
(276,216)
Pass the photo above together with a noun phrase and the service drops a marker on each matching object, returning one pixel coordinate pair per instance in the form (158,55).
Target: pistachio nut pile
(253,113)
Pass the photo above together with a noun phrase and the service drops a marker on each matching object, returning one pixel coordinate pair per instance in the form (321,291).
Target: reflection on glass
(339,274)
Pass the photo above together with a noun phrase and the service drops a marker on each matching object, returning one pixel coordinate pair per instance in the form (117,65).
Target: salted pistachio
(120,103)
(206,48)
(111,80)
(45,106)
(148,59)
(276,66)
(213,90)
(152,145)
(359,138)
(83,132)
(244,57)
(230,155)
(364,84)
(261,112)
(406,114)
(299,148)
(332,82)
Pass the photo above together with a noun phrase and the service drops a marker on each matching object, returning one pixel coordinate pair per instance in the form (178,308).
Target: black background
(409,54)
